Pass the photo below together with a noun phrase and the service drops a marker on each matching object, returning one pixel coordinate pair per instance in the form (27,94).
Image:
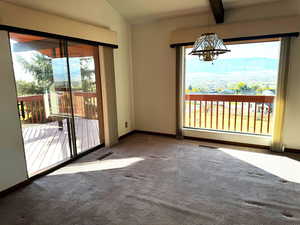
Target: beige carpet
(163,181)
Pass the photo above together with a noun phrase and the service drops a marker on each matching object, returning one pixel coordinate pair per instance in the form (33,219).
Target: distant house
(268,92)
(248,92)
(228,92)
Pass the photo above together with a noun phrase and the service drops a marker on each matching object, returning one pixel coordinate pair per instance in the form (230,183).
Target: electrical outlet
(126,124)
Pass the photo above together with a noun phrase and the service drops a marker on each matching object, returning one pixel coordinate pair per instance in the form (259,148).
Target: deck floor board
(46,145)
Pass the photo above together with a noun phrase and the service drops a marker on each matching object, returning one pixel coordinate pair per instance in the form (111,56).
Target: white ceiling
(137,11)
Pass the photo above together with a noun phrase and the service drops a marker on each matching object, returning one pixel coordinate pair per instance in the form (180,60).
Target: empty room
(149,112)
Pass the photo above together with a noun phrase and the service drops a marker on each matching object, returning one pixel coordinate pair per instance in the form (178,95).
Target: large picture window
(236,92)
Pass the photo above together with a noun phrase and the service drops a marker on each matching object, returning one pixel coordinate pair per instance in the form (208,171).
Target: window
(236,92)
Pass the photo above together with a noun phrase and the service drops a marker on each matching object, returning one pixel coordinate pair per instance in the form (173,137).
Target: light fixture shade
(208,47)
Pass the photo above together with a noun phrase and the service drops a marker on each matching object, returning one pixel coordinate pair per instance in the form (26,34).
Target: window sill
(243,138)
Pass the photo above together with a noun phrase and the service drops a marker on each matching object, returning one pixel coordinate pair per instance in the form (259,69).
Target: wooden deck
(47,145)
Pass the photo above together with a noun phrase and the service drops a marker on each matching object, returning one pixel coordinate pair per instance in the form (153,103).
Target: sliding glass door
(85,86)
(57,99)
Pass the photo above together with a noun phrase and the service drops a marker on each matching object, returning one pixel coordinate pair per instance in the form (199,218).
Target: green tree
(28,88)
(219,90)
(242,87)
(195,90)
(255,86)
(40,67)
(87,74)
(260,90)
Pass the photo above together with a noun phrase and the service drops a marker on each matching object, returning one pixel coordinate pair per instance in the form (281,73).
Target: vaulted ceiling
(138,11)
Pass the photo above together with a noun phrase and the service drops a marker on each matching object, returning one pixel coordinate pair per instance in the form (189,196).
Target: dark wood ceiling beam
(218,10)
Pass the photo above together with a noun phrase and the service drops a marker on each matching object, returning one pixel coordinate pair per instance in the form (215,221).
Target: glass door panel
(43,91)
(85,85)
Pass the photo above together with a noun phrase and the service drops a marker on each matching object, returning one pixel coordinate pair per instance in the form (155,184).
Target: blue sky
(59,67)
(263,50)
(249,63)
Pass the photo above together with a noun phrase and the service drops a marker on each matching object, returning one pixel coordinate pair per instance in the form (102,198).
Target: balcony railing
(234,113)
(32,108)
(84,104)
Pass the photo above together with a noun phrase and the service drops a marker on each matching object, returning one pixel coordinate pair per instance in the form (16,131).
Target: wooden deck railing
(84,104)
(238,113)
(32,108)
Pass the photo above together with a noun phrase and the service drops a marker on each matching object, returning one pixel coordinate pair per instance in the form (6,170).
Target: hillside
(224,72)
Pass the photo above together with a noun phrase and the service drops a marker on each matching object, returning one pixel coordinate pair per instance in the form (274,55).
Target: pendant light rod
(218,10)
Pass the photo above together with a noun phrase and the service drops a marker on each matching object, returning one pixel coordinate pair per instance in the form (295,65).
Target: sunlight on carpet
(108,164)
(281,166)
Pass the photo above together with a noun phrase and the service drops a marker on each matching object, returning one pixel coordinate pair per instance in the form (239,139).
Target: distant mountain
(193,65)
(224,72)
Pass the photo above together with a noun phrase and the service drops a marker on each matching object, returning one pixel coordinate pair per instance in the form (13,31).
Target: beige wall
(100,13)
(22,17)
(96,12)
(260,27)
(12,157)
(154,68)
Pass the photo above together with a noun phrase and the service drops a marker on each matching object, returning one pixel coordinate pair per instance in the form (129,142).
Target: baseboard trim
(155,133)
(127,134)
(15,187)
(292,150)
(47,171)
(197,139)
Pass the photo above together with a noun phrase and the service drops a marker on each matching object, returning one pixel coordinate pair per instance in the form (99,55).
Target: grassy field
(227,123)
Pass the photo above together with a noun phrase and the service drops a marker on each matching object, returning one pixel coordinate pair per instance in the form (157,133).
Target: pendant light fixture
(208,47)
